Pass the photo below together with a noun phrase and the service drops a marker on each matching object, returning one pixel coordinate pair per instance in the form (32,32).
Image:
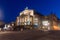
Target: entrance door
(45,28)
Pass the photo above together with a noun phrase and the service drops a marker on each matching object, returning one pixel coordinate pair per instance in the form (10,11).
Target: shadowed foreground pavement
(30,35)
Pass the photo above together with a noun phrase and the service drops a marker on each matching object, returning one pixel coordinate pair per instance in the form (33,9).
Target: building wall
(37,21)
(54,21)
(31,19)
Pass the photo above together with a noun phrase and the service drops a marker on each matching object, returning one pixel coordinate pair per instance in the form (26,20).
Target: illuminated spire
(26,8)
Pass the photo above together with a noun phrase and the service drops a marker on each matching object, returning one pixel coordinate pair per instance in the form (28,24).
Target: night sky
(10,9)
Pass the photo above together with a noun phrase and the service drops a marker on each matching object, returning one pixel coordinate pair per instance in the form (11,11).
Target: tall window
(45,23)
(35,22)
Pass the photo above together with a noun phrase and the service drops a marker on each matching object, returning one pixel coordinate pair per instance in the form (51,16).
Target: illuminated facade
(31,19)
(54,21)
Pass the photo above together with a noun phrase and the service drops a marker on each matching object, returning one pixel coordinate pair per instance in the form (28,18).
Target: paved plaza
(30,35)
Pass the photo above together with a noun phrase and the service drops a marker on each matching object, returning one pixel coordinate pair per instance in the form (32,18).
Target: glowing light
(9,26)
(56,28)
(45,23)
(5,27)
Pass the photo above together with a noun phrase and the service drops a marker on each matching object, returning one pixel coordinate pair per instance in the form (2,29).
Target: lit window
(35,23)
(25,23)
(36,19)
(45,23)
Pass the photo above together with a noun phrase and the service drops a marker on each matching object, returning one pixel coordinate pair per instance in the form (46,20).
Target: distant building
(30,19)
(9,26)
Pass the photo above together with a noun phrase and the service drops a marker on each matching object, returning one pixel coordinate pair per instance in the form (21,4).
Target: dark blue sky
(12,8)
